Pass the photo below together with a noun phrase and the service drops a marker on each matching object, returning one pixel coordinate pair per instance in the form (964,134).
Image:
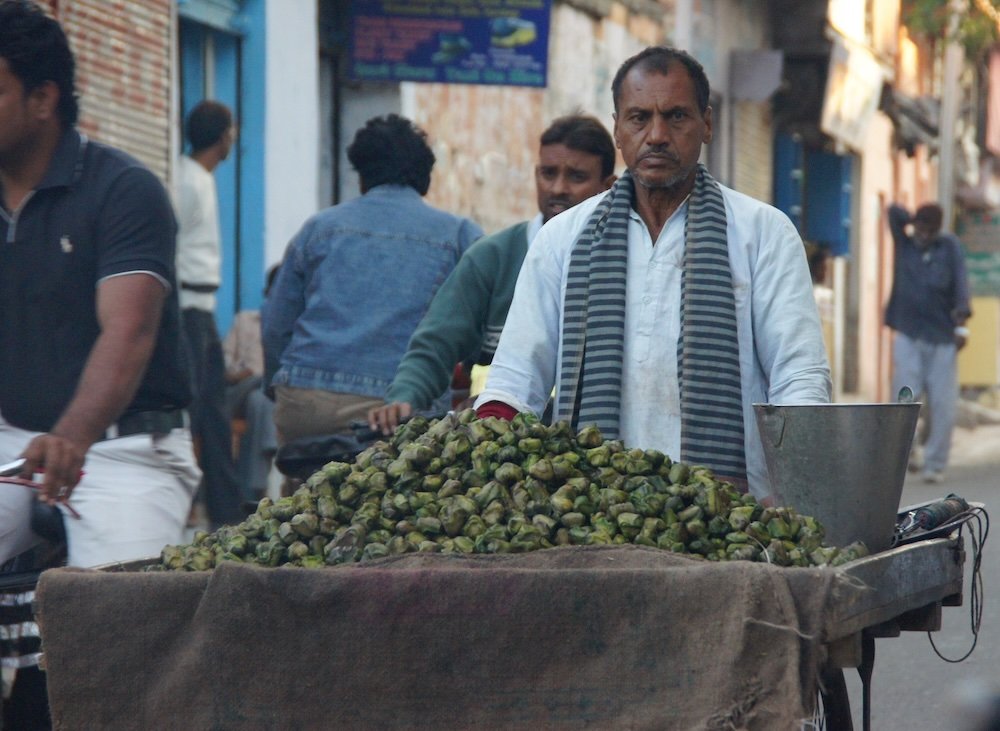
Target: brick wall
(122,50)
(486,138)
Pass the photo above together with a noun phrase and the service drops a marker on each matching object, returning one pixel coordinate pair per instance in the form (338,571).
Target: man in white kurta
(782,356)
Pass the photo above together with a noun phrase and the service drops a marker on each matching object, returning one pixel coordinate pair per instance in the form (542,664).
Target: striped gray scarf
(708,362)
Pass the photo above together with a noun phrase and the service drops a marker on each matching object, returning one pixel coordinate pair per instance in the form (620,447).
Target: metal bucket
(843,464)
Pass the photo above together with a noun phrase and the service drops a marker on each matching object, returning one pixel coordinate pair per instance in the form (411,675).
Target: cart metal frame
(908,587)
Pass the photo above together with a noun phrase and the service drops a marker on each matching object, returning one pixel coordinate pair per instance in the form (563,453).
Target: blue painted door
(828,195)
(814,188)
(788,173)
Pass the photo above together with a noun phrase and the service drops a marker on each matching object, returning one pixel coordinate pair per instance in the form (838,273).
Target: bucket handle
(772,421)
(772,424)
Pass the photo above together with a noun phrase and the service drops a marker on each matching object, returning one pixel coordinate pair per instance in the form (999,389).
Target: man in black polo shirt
(90,364)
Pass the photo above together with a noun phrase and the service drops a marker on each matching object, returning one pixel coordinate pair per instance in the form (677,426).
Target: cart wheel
(28,706)
(835,702)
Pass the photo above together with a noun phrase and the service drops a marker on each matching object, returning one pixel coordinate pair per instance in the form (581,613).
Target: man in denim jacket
(354,284)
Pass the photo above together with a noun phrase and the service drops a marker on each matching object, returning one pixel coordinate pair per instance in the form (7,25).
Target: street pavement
(912,688)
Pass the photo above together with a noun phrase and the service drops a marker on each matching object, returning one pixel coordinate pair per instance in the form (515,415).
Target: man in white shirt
(210,131)
(689,300)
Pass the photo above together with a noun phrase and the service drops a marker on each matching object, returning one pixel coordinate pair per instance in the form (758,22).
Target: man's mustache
(659,152)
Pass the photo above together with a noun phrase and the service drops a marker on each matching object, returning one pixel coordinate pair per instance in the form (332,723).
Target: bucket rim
(767,405)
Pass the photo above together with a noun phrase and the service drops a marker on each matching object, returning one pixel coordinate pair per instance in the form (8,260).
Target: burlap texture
(569,638)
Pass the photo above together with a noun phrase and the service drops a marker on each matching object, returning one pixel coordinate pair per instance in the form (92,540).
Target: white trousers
(134,498)
(931,371)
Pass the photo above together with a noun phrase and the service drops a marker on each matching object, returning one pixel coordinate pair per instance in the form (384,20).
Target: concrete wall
(873,261)
(482,137)
(292,137)
(742,149)
(887,175)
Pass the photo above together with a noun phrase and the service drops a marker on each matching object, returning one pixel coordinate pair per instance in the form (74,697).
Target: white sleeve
(788,336)
(189,230)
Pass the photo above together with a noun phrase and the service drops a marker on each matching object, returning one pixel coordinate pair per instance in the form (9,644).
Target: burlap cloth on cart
(566,638)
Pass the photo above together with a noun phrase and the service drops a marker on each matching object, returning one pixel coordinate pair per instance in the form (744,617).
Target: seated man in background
(245,399)
(463,323)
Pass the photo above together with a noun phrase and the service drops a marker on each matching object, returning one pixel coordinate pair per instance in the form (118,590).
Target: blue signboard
(450,41)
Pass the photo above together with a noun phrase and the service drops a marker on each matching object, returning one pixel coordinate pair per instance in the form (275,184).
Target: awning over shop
(755,74)
(915,119)
(853,91)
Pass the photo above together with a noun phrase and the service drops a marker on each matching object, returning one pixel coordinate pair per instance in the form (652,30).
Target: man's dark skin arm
(129,308)
(899,218)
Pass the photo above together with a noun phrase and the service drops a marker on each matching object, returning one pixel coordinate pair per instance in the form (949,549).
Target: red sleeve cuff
(498,409)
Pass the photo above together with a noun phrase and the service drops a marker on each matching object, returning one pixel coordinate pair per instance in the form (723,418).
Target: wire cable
(977,537)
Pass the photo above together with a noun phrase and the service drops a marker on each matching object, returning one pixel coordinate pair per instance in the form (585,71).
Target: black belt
(146,422)
(200,288)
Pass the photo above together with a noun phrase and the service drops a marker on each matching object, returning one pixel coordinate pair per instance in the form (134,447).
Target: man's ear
(44,100)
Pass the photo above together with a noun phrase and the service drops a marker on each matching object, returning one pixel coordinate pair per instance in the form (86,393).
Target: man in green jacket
(464,320)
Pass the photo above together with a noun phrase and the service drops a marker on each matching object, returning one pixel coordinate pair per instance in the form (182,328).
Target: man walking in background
(576,160)
(927,309)
(210,132)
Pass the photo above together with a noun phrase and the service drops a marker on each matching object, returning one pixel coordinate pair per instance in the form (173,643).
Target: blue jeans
(931,371)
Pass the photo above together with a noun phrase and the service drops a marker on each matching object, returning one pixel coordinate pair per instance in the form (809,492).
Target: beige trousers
(306,412)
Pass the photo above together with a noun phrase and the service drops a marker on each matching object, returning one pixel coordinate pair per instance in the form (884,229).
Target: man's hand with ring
(61,461)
